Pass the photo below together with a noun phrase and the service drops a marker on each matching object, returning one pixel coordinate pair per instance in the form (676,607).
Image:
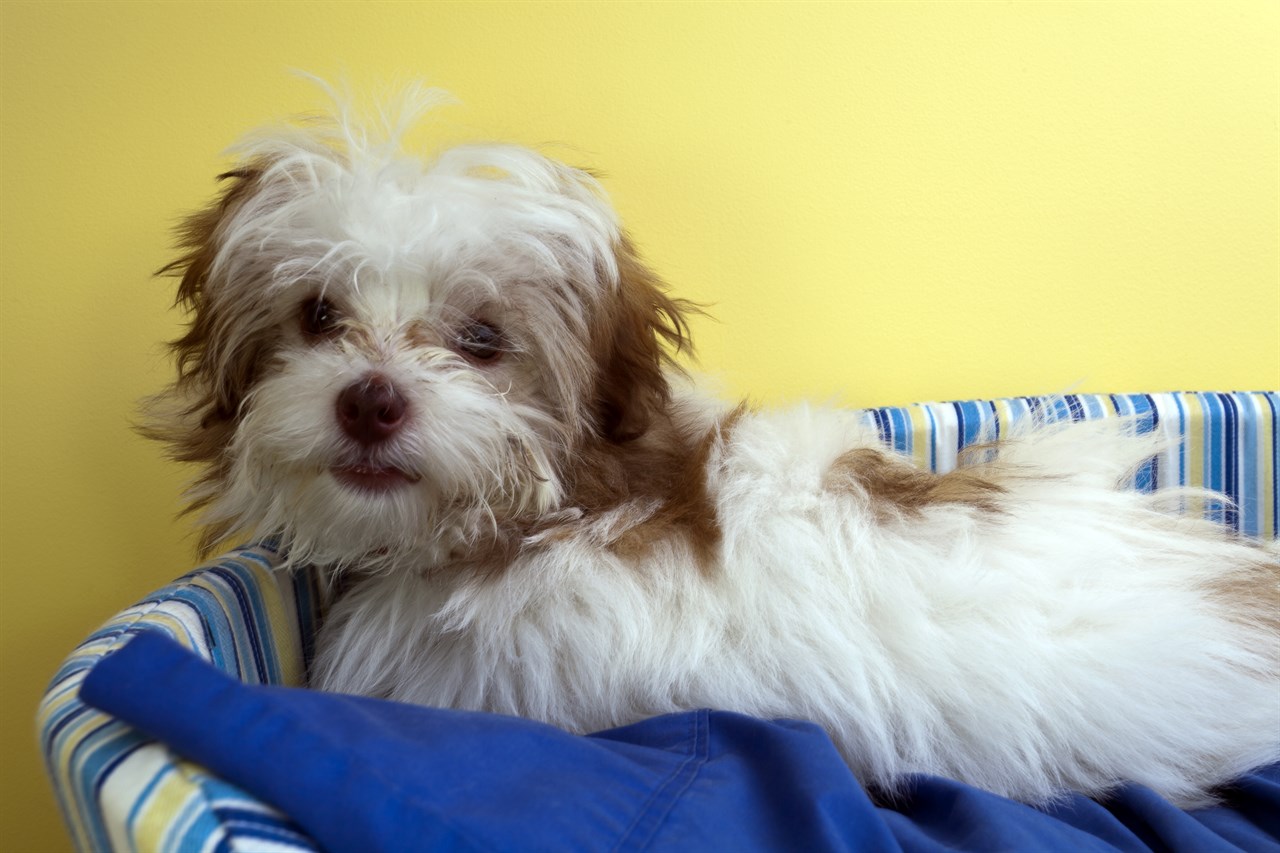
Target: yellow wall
(884,202)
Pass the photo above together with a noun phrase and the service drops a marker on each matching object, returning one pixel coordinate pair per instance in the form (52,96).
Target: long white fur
(1068,646)
(1069,642)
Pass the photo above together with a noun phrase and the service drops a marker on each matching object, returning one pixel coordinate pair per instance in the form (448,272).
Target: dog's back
(1026,624)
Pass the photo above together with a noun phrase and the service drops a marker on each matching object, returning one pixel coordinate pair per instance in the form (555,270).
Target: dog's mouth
(374,479)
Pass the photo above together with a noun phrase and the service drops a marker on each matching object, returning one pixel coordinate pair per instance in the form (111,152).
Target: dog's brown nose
(371,410)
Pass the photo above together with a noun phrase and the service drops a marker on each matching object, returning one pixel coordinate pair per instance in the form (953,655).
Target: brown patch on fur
(487,558)
(1251,595)
(897,489)
(211,384)
(688,507)
(664,476)
(196,351)
(661,476)
(637,455)
(636,333)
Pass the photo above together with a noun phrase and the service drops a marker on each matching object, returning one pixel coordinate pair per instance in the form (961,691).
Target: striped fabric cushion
(118,790)
(1223,442)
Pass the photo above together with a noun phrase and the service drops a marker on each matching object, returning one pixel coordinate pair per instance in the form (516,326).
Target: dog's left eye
(319,317)
(480,341)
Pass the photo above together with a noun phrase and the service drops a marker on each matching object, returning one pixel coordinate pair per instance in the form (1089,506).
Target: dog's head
(388,357)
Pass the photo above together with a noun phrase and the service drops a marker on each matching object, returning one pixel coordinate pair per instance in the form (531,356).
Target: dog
(451,386)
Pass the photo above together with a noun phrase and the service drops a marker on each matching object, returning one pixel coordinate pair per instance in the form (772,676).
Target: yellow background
(884,202)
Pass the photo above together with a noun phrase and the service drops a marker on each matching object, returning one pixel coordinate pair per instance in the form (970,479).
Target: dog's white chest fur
(1072,638)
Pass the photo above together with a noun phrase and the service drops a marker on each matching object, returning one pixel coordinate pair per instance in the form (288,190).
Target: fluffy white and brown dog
(450,382)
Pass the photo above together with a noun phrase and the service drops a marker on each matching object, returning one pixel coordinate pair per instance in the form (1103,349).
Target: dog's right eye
(319,318)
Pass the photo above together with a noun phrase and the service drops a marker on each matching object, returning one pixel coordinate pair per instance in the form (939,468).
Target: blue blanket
(365,775)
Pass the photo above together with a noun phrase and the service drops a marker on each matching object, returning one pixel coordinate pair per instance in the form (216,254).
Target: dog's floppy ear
(641,331)
(214,373)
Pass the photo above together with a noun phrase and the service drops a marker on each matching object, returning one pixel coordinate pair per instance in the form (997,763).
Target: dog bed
(219,753)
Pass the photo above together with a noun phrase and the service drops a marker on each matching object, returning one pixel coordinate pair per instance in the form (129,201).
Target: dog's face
(390,359)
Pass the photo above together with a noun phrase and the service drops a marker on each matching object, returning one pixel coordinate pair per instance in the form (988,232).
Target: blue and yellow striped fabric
(120,791)
(1225,442)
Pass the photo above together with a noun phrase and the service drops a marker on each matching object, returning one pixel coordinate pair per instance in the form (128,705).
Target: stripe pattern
(1224,442)
(120,791)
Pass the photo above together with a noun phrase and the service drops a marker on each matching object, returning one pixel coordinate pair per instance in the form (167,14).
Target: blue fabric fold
(363,775)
